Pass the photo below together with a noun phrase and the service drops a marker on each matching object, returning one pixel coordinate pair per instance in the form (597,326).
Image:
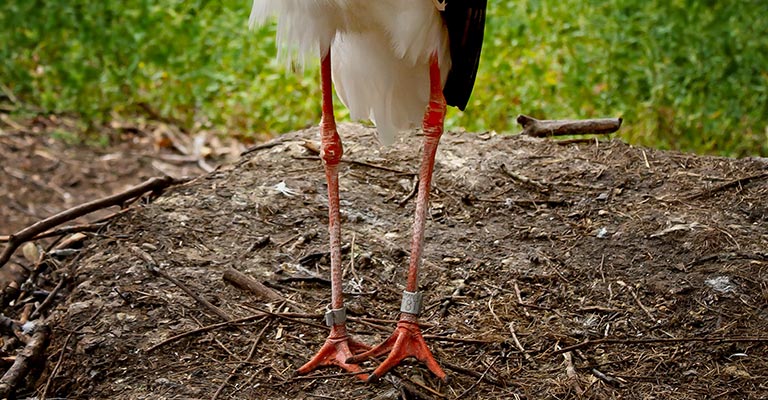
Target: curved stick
(561,127)
(17,239)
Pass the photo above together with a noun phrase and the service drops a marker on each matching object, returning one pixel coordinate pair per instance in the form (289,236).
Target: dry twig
(32,353)
(470,372)
(452,298)
(520,299)
(570,372)
(642,306)
(64,230)
(439,338)
(414,189)
(240,365)
(63,351)
(469,389)
(596,342)
(49,299)
(727,185)
(517,342)
(153,268)
(605,378)
(313,148)
(730,256)
(561,127)
(267,145)
(543,187)
(28,233)
(206,329)
(245,282)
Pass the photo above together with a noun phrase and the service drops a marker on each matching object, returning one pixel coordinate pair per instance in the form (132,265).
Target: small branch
(260,317)
(469,389)
(561,127)
(642,306)
(414,189)
(298,378)
(267,145)
(64,230)
(12,97)
(566,142)
(605,378)
(63,350)
(407,388)
(312,258)
(245,282)
(314,149)
(7,325)
(239,366)
(596,342)
(452,298)
(380,321)
(727,185)
(33,352)
(199,299)
(760,257)
(520,299)
(570,372)
(425,387)
(535,307)
(305,278)
(373,325)
(524,179)
(291,317)
(439,338)
(48,300)
(26,234)
(155,270)
(470,372)
(517,342)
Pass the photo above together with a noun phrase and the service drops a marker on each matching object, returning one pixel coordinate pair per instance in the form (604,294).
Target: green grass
(685,74)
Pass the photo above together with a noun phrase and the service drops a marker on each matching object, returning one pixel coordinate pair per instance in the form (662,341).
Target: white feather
(380,51)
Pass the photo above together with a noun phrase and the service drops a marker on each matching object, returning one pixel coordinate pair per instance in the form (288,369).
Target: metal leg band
(335,317)
(411,303)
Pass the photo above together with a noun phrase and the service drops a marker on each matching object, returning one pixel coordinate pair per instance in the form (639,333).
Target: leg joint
(331,150)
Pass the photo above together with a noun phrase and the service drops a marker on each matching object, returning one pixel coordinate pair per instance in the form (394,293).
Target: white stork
(392,60)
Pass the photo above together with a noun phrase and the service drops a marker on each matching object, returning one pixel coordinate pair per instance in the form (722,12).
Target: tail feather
(380,52)
(376,84)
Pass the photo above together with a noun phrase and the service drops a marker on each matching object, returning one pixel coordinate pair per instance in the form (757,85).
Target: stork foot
(406,341)
(336,351)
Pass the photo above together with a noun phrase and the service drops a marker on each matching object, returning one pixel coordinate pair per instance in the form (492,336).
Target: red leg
(339,346)
(407,341)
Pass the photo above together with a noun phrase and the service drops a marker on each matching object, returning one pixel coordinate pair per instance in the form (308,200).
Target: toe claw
(406,341)
(336,351)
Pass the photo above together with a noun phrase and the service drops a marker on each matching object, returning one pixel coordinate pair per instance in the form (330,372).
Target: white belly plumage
(380,51)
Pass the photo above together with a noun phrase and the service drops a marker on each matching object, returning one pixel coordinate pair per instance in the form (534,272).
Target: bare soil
(653,265)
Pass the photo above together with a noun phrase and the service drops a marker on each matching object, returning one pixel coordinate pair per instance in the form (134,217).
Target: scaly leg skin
(407,341)
(339,346)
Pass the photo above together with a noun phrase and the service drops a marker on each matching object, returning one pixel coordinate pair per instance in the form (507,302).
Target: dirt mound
(652,265)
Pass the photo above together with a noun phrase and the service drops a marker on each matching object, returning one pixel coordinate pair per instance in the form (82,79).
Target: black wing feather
(465,20)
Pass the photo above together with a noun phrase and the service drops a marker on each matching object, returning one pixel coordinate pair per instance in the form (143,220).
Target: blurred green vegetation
(685,74)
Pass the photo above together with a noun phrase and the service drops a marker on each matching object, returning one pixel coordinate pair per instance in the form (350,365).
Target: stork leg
(407,340)
(339,346)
